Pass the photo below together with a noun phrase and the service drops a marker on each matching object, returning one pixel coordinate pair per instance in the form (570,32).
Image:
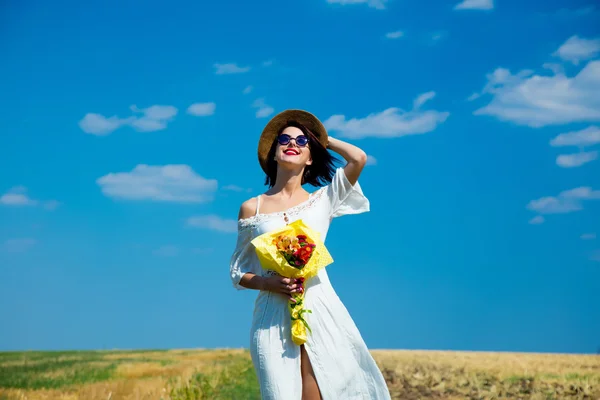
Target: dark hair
(319,173)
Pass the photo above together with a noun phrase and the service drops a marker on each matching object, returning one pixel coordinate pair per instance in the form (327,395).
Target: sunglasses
(301,140)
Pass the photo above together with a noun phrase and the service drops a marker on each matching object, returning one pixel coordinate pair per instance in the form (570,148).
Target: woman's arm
(277,284)
(252,281)
(354,155)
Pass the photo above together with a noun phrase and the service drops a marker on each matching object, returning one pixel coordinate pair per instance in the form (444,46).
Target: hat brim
(274,126)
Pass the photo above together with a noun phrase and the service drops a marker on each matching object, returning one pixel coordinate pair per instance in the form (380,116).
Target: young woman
(334,363)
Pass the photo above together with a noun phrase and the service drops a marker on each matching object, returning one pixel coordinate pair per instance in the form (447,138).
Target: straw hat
(274,126)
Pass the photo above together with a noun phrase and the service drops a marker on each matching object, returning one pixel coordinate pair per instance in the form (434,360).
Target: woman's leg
(310,388)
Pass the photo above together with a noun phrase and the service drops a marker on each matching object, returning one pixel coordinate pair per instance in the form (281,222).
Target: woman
(334,363)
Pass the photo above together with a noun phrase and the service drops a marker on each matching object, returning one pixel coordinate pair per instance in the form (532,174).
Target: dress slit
(316,367)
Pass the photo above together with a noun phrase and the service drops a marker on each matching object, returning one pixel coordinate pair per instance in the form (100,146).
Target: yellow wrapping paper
(270,248)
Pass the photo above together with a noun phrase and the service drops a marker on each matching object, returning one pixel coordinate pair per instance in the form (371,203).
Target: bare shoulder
(248,208)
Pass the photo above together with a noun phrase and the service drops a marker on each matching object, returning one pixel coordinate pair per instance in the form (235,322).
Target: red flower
(304,254)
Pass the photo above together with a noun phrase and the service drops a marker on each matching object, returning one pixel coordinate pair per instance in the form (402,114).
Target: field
(228,374)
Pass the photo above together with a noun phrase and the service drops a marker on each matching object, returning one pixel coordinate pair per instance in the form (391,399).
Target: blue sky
(129,133)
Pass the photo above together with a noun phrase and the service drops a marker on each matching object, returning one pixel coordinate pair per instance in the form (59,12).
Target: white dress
(343,365)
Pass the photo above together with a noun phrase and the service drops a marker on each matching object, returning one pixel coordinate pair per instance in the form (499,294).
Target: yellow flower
(281,242)
(295,245)
(294,312)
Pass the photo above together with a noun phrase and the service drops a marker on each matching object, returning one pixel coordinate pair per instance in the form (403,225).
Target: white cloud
(231,68)
(394,35)
(168,183)
(371,160)
(18,245)
(537,101)
(156,112)
(147,125)
(585,137)
(422,99)
(474,96)
(556,68)
(577,49)
(566,201)
(236,188)
(166,251)
(377,4)
(267,63)
(475,5)
(392,122)
(248,89)
(538,219)
(213,222)
(595,256)
(264,110)
(233,188)
(202,109)
(17,196)
(576,159)
(154,118)
(100,125)
(588,236)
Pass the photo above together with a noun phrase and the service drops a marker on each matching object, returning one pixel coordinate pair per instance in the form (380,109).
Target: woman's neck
(288,183)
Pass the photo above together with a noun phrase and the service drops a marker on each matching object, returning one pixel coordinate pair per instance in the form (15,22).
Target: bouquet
(296,252)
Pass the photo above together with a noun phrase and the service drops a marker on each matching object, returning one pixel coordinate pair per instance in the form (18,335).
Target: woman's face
(294,151)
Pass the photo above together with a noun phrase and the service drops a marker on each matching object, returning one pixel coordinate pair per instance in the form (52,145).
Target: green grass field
(228,374)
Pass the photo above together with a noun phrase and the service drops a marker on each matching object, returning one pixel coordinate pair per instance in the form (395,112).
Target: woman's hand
(282,285)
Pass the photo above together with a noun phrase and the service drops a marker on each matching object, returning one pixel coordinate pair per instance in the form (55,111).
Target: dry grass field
(228,374)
